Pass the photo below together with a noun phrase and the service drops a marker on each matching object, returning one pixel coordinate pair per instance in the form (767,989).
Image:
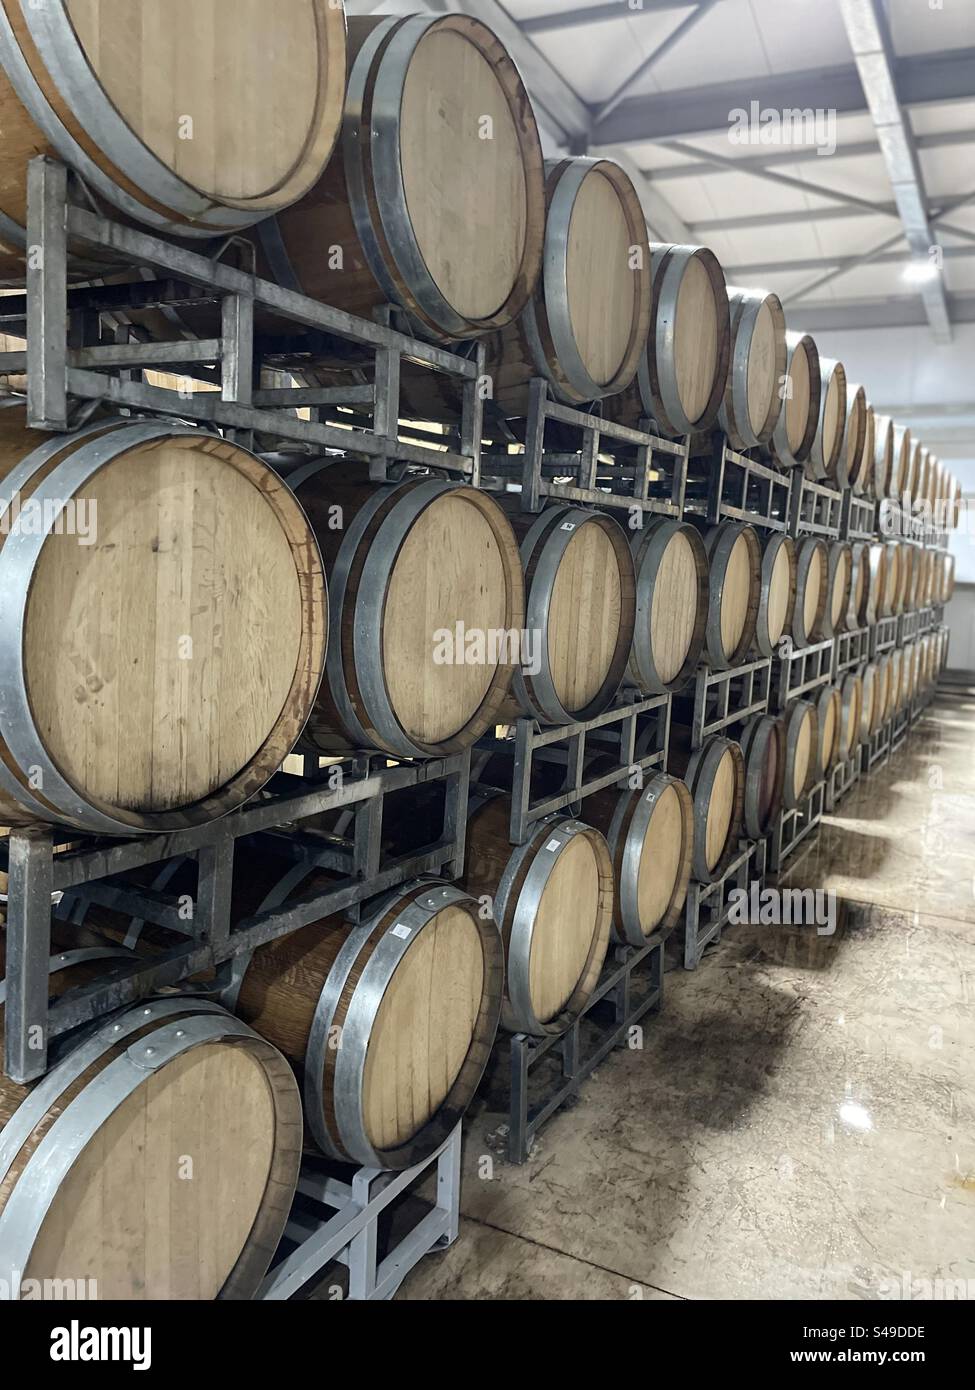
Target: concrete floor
(799,1122)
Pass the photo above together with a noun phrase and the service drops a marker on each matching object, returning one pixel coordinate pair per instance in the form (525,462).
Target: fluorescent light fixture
(920,272)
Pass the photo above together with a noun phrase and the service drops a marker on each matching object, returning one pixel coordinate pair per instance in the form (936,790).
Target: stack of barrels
(155,677)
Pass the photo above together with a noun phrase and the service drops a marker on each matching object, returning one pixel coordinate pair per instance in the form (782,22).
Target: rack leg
(47,295)
(518,1127)
(448,1188)
(28,952)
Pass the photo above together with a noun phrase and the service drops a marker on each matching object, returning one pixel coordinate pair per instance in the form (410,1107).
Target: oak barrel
(877,586)
(735,580)
(861,475)
(671,604)
(812,591)
(854,435)
(883,456)
(753,396)
(650,832)
(584,329)
(900,461)
(435,199)
(851,701)
(870,702)
(778,592)
(428,606)
(829,728)
(683,371)
(715,777)
(117,92)
(580,606)
(795,429)
(859,584)
(552,899)
(155,676)
(92,1155)
(763,748)
(801,743)
(839,579)
(827,444)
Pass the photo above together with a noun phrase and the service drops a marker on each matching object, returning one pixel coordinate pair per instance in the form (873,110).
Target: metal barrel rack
(858,517)
(852,650)
(635,733)
(813,508)
(68,363)
(794,825)
(709,905)
(877,748)
(336,1220)
(612,465)
(908,627)
(723,698)
(883,636)
(727,486)
(799,670)
(631,986)
(841,778)
(362,870)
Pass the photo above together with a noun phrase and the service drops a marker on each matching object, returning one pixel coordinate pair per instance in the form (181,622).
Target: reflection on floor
(799,1120)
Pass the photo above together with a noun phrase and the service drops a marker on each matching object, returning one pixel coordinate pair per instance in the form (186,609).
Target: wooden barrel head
(763,355)
(781,593)
(721,810)
(450,569)
(423,1029)
(585,615)
(797,401)
(737,594)
(674,615)
(840,591)
(697,339)
(832,416)
(566,921)
(800,751)
(663,860)
(602,286)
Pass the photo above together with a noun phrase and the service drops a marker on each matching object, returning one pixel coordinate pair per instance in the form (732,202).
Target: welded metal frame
(615,465)
(67,363)
(794,825)
(634,722)
(877,748)
(801,669)
(728,697)
(350,1236)
(842,777)
(814,508)
(908,627)
(883,636)
(524,1119)
(36,873)
(728,486)
(852,649)
(900,723)
(896,521)
(858,517)
(708,908)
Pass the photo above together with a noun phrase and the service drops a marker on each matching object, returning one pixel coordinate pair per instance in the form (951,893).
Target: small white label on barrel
(567,526)
(554,844)
(402,932)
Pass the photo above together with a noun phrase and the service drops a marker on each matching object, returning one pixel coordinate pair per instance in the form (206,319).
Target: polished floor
(800,1121)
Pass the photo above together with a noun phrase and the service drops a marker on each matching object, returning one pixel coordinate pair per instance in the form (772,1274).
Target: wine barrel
(413,991)
(671,605)
(584,329)
(861,476)
(856,613)
(553,901)
(913,478)
(839,579)
(650,833)
(884,706)
(851,703)
(898,677)
(683,371)
(581,602)
(795,429)
(890,599)
(829,728)
(715,776)
(900,462)
(883,456)
(436,195)
(871,703)
(812,590)
(910,575)
(948,578)
(877,587)
(854,435)
(753,399)
(114,90)
(828,441)
(778,592)
(801,736)
(734,581)
(763,749)
(155,677)
(428,602)
(88,1186)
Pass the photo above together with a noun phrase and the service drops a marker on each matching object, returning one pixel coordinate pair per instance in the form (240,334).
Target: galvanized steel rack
(798,670)
(883,636)
(611,466)
(842,776)
(728,486)
(36,873)
(896,521)
(899,725)
(877,748)
(629,966)
(68,363)
(635,733)
(852,649)
(709,905)
(908,626)
(792,826)
(858,517)
(727,697)
(313,1239)
(814,509)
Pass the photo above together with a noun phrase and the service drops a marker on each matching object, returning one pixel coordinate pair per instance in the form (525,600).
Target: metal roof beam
(900,312)
(598,14)
(803,155)
(738,274)
(673,38)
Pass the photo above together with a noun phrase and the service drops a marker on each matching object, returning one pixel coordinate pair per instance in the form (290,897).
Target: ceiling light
(920,272)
